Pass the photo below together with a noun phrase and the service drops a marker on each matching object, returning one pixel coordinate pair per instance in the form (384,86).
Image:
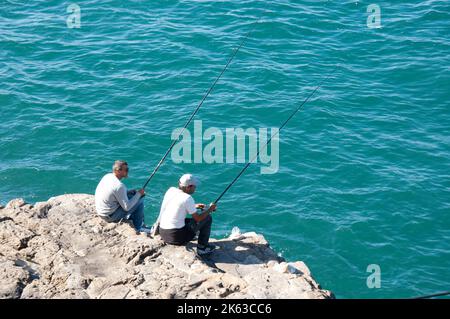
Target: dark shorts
(180,236)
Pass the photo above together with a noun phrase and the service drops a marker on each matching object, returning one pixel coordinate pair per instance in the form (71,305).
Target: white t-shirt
(175,206)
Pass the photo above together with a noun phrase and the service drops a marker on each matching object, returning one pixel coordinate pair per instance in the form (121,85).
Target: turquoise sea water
(364,172)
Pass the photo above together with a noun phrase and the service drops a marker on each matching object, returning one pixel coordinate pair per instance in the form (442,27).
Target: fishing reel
(204,209)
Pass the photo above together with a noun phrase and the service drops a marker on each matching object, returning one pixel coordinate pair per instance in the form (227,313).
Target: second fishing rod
(275,134)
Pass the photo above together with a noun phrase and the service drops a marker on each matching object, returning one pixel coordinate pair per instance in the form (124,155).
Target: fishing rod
(444,293)
(281,127)
(201,103)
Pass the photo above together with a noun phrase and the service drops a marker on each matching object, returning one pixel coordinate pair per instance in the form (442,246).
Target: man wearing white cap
(174,227)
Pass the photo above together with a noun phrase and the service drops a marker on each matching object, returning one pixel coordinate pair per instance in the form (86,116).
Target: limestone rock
(12,278)
(41,209)
(15,203)
(301,267)
(14,235)
(62,249)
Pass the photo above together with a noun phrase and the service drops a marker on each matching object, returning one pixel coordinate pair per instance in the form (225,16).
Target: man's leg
(137,214)
(117,216)
(205,230)
(190,229)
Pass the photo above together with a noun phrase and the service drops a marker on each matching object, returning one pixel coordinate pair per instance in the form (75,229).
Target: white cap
(188,180)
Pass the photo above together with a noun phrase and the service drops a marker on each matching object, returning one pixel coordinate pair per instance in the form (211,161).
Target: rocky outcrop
(61,249)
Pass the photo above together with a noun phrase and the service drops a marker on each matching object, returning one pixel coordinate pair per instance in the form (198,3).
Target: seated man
(113,202)
(174,227)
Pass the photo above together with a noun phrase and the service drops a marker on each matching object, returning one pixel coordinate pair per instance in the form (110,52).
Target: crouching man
(174,227)
(113,202)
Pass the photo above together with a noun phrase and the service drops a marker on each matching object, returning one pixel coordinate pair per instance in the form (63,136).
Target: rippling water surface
(364,168)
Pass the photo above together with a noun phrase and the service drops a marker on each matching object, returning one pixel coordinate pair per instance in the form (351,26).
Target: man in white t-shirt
(174,227)
(114,202)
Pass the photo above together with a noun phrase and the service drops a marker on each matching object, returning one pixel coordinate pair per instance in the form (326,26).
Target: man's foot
(145,230)
(205,250)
